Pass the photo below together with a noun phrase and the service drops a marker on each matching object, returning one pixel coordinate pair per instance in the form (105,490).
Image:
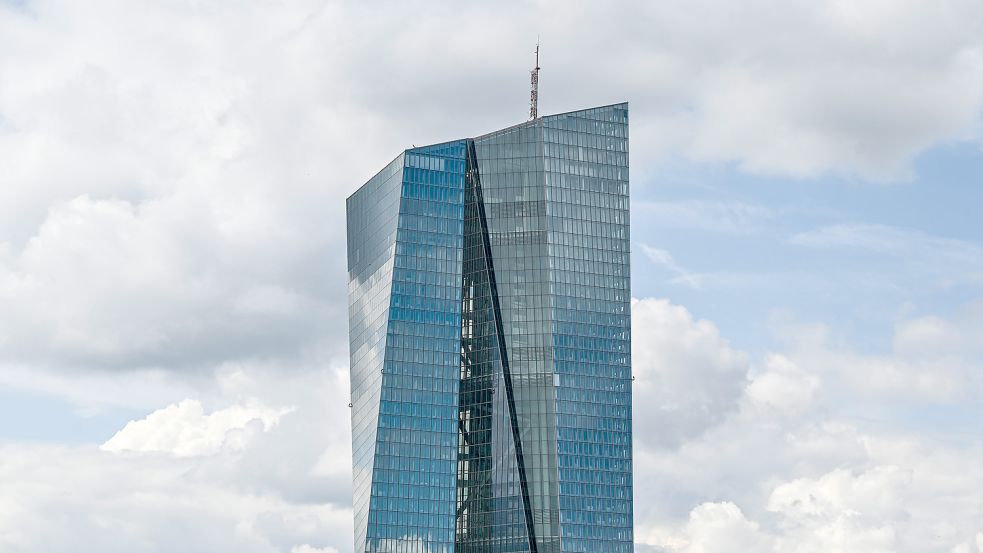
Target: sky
(807,258)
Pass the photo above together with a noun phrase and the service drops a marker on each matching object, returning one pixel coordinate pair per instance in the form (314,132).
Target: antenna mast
(534,93)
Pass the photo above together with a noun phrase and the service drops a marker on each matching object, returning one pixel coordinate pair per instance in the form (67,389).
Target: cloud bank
(171,242)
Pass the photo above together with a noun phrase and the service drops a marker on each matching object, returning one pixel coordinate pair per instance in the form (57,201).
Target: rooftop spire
(534,93)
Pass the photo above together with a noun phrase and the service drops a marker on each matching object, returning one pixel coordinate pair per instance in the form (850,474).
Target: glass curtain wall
(586,171)
(490,342)
(412,455)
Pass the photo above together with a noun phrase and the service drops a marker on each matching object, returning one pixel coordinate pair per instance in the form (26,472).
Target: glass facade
(490,343)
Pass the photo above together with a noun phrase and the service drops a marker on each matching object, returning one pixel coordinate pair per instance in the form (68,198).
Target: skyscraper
(489,310)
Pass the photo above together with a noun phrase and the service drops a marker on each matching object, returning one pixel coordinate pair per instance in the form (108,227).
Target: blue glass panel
(490,339)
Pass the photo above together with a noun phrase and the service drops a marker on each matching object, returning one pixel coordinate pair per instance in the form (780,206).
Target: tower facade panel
(490,343)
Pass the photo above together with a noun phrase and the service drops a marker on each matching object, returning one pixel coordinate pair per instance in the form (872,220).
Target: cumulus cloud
(801,465)
(775,472)
(783,386)
(308,549)
(932,361)
(687,377)
(185,188)
(873,507)
(841,511)
(171,227)
(115,503)
(833,513)
(112,284)
(184,430)
(721,528)
(247,476)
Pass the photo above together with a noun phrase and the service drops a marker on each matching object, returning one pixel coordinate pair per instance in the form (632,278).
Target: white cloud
(803,87)
(185,191)
(841,511)
(663,258)
(722,528)
(171,209)
(875,507)
(717,216)
(302,452)
(758,464)
(109,283)
(184,430)
(931,336)
(933,361)
(687,378)
(915,256)
(308,549)
(783,386)
(895,241)
(211,490)
(94,391)
(814,459)
(101,501)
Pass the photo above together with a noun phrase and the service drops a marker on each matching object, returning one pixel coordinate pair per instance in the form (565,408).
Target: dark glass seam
(474,179)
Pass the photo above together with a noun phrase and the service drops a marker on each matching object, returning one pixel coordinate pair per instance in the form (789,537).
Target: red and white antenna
(534,93)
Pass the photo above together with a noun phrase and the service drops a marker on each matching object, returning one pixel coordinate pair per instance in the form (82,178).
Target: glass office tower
(490,328)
